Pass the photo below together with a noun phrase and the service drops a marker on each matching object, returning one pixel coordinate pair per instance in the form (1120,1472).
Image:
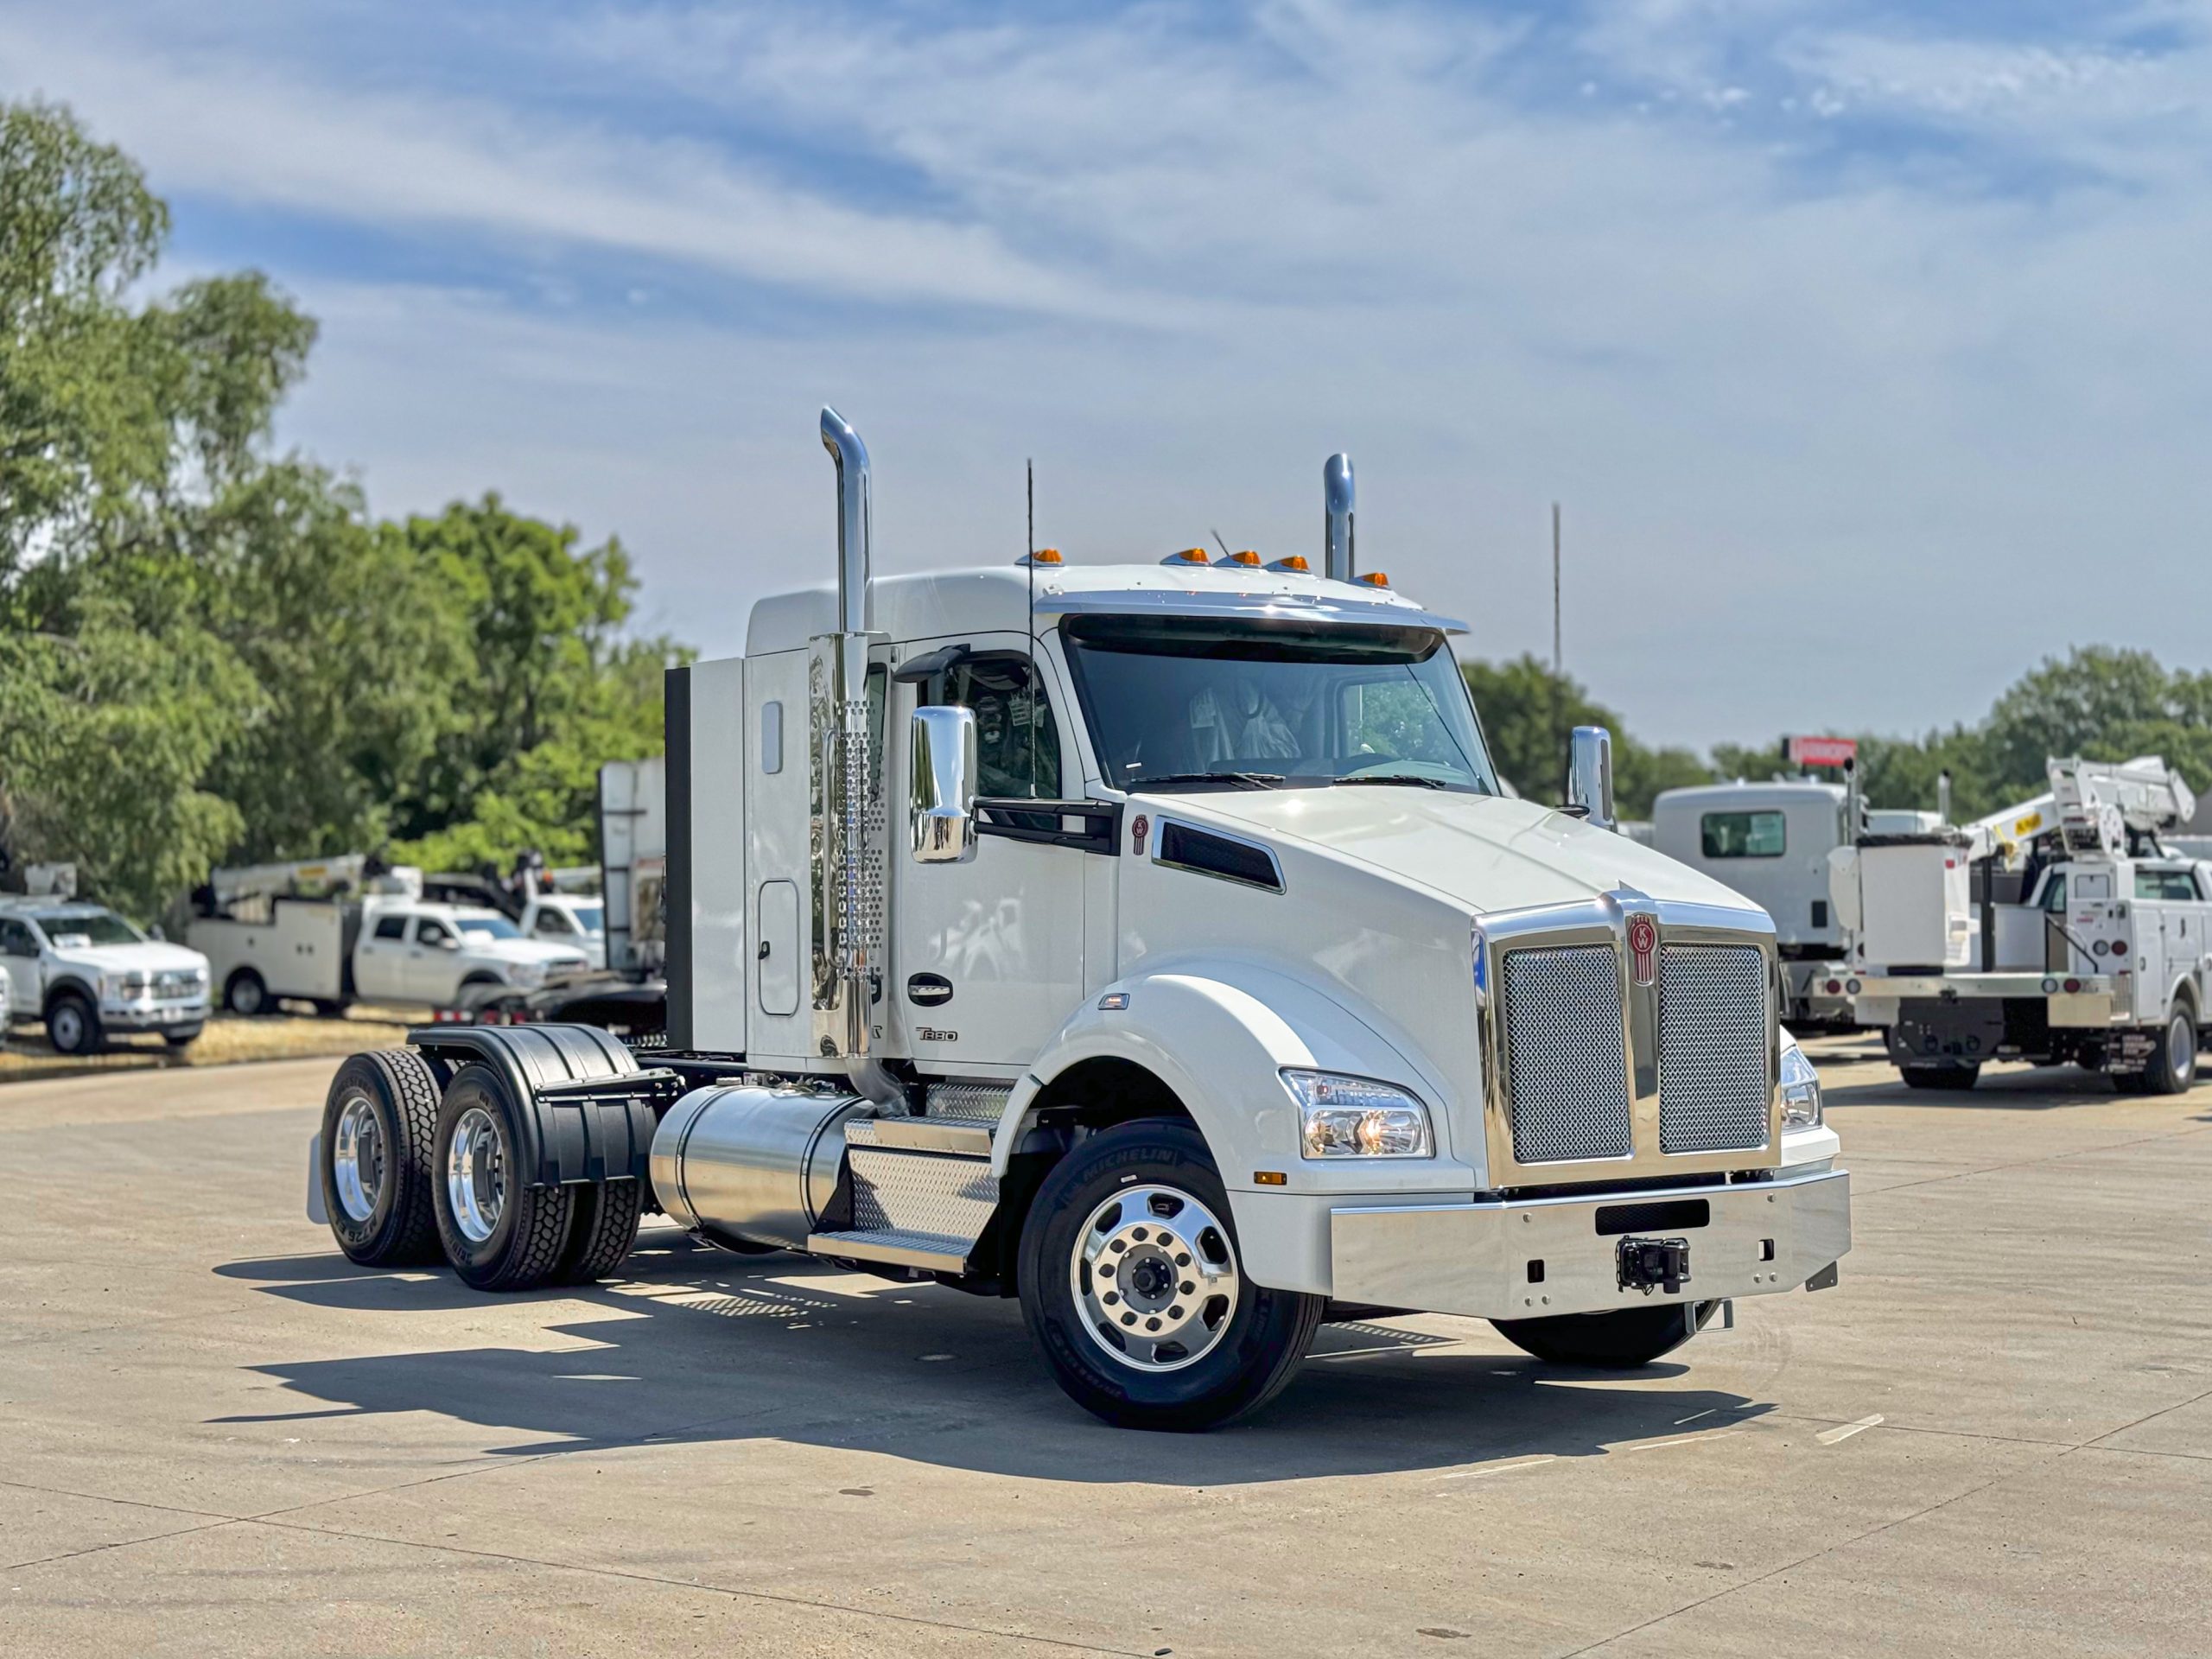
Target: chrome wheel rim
(357,1159)
(476,1175)
(1155,1279)
(2181,1048)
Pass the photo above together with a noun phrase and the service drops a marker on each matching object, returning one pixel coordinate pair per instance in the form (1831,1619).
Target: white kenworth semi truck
(1152,943)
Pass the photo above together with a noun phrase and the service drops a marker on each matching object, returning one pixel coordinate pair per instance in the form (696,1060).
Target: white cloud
(1840,444)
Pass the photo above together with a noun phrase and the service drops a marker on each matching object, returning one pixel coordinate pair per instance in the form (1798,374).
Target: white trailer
(1152,944)
(2060,929)
(633,862)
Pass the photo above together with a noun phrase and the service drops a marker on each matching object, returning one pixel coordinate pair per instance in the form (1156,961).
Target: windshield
(487,927)
(74,929)
(1190,699)
(591,918)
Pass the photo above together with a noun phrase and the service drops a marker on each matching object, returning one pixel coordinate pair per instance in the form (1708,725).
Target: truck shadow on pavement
(693,1346)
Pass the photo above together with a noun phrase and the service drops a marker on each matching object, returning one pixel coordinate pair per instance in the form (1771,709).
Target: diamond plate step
(931,1252)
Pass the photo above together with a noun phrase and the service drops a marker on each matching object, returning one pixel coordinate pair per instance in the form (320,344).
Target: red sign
(1642,945)
(1822,751)
(1137,833)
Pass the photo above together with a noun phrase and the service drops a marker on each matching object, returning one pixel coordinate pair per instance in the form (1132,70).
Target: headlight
(1801,1090)
(1357,1117)
(525,972)
(125,985)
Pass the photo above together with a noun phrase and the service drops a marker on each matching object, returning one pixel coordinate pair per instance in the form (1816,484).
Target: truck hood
(528,951)
(1488,852)
(152,958)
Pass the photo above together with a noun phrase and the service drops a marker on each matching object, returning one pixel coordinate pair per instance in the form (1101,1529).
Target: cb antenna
(1036,668)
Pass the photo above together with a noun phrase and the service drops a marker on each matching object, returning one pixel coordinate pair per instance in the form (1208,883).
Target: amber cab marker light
(1188,555)
(1046,556)
(1247,557)
(1296,565)
(1269,1178)
(1373,579)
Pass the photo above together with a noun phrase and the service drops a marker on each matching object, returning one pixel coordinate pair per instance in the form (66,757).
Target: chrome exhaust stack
(847,877)
(849,455)
(1337,525)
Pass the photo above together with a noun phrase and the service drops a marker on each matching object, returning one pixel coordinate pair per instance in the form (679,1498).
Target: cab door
(380,958)
(986,958)
(19,961)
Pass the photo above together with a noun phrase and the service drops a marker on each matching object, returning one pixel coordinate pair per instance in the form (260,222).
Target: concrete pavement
(1995,1436)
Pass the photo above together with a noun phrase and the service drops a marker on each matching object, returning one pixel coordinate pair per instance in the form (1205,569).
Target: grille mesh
(1564,1068)
(1712,1045)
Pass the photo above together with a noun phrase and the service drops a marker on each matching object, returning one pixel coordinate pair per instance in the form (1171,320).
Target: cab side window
(2165,884)
(551,921)
(429,931)
(1017,744)
(391,927)
(2054,894)
(16,939)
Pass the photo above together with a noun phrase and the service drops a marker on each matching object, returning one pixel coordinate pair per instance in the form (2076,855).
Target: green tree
(1528,713)
(554,688)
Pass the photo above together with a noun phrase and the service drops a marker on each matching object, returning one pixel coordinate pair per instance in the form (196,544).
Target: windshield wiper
(1235,779)
(1401,779)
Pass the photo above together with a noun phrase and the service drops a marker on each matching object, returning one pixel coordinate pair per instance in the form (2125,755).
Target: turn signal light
(1373,579)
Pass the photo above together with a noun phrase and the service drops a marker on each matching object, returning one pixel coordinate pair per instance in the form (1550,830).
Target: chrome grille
(1712,1048)
(1566,1074)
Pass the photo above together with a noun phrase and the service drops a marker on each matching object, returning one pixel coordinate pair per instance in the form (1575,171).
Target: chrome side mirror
(942,785)
(1590,774)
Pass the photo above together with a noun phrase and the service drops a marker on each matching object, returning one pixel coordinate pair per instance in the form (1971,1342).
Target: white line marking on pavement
(1837,1436)
(1694,1415)
(1498,1469)
(1685,1439)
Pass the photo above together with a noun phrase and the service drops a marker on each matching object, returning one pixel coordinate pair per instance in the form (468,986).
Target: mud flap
(316,1213)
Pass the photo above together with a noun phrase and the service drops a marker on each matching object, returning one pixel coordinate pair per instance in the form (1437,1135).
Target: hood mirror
(1590,775)
(942,794)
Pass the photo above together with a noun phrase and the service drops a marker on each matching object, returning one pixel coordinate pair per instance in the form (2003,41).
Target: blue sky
(1865,344)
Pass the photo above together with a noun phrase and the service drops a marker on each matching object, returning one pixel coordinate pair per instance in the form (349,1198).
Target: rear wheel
(499,1233)
(247,993)
(1940,1077)
(1133,1287)
(1617,1341)
(73,1024)
(2172,1066)
(603,1231)
(378,1123)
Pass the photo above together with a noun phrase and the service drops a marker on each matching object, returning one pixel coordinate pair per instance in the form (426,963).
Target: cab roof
(937,604)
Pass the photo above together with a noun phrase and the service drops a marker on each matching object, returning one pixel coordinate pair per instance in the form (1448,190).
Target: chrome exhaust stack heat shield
(1336,522)
(847,794)
(752,1167)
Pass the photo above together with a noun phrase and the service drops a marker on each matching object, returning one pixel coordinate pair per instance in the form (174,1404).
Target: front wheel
(1134,1289)
(246,994)
(1619,1341)
(73,1025)
(1945,1075)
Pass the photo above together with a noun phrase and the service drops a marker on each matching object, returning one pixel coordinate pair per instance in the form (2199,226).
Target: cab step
(920,1194)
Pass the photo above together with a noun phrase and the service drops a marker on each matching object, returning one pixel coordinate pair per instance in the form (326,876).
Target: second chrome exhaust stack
(1337,525)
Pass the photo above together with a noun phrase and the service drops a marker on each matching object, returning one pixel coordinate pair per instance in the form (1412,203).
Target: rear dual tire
(2172,1067)
(378,1123)
(500,1232)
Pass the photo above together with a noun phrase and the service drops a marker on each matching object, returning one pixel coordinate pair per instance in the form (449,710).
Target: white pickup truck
(87,973)
(1153,944)
(389,949)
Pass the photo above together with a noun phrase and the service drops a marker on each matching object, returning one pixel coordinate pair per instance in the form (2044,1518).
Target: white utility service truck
(1152,944)
(1770,843)
(2061,929)
(336,930)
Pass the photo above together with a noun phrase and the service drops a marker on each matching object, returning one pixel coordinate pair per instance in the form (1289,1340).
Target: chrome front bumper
(153,1016)
(1519,1259)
